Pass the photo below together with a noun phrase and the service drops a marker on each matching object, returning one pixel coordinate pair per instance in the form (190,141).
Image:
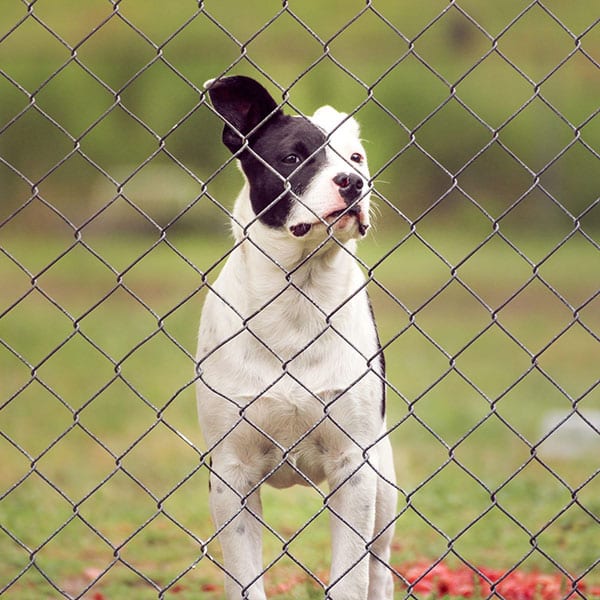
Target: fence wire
(486,287)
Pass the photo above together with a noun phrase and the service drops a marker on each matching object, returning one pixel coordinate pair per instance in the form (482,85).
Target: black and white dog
(290,371)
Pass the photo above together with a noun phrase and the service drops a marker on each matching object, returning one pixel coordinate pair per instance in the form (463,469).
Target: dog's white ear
(332,121)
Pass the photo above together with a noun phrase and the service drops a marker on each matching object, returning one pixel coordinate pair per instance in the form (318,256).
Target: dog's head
(307,175)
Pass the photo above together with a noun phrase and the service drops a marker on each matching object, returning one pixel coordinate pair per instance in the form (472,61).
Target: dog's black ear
(243,103)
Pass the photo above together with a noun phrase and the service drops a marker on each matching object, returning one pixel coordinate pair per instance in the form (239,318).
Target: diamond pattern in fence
(482,130)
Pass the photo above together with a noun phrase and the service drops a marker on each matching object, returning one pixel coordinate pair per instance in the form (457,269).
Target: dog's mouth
(336,214)
(334,218)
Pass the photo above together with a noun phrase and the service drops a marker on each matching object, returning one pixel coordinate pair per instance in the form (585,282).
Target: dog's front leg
(237,512)
(381,584)
(353,485)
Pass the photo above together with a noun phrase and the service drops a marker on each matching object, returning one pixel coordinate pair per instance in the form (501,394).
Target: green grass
(97,400)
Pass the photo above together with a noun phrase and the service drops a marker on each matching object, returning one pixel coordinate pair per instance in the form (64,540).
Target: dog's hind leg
(237,514)
(381,584)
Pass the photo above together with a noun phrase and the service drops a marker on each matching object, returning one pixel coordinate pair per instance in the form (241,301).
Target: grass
(96,404)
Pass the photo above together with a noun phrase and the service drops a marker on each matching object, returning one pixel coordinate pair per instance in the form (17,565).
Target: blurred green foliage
(101,103)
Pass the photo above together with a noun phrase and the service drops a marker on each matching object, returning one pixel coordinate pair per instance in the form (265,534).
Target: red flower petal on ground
(287,586)
(440,580)
(210,587)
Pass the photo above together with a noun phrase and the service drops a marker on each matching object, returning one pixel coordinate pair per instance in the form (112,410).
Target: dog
(290,372)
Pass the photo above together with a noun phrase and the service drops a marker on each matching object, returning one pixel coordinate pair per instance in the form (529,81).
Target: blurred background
(442,92)
(481,122)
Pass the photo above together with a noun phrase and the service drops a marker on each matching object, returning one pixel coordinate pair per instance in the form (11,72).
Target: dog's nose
(350,185)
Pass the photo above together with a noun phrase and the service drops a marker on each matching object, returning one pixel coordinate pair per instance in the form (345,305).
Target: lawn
(103,484)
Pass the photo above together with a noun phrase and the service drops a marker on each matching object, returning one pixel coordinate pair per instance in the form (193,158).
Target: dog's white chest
(285,335)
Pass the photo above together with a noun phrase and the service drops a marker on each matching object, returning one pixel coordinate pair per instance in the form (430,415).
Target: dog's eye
(357,158)
(291,159)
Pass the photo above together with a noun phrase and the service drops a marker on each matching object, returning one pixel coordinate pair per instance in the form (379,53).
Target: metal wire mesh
(118,275)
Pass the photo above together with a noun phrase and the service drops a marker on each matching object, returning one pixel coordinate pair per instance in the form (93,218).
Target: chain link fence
(482,127)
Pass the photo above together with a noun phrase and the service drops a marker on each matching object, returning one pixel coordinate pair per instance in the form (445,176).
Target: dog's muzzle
(351,189)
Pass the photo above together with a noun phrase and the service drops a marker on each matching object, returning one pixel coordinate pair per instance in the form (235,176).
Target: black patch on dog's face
(279,154)
(285,155)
